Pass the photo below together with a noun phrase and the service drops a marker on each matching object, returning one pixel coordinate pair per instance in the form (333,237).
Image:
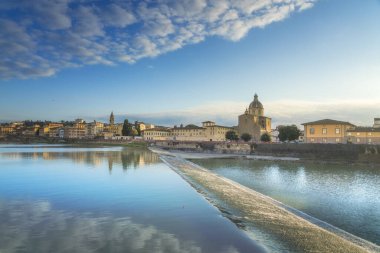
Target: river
(57,198)
(346,196)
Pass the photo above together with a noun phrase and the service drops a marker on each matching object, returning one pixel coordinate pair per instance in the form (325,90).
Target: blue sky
(178,62)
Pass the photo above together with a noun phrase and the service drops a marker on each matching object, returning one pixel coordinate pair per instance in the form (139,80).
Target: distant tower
(112,119)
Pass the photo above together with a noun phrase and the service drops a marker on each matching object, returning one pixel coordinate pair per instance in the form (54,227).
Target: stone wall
(322,152)
(305,151)
(207,147)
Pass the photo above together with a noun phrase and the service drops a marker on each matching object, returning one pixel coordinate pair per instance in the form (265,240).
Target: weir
(297,230)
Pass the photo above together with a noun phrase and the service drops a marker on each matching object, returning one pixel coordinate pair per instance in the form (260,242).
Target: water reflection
(64,199)
(127,158)
(347,196)
(37,227)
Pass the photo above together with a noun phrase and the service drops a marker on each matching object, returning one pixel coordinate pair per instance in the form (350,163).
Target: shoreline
(299,231)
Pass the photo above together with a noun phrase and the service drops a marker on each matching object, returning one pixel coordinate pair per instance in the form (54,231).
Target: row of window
(338,140)
(324,130)
(370,134)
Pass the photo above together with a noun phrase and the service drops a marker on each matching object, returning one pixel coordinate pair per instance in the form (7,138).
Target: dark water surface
(346,196)
(80,199)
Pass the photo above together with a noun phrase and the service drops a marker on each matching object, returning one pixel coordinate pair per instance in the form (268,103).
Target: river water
(107,199)
(346,196)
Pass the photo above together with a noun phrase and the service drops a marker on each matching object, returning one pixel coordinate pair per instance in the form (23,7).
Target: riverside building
(326,131)
(209,131)
(334,131)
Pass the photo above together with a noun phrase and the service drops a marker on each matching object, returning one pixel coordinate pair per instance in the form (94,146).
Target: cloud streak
(39,38)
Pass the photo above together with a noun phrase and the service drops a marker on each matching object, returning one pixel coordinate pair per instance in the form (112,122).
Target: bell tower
(112,119)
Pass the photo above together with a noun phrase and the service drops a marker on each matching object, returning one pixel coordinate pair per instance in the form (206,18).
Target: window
(358,140)
(312,131)
(337,140)
(357,133)
(337,130)
(369,140)
(324,130)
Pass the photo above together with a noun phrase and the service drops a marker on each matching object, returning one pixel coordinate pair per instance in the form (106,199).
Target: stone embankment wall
(306,151)
(322,152)
(208,147)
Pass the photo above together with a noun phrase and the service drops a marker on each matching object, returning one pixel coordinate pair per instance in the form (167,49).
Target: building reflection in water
(126,158)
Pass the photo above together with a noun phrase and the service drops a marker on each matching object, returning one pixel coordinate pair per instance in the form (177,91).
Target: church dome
(256,103)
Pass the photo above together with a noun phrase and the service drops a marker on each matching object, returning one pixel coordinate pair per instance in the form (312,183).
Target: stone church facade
(253,120)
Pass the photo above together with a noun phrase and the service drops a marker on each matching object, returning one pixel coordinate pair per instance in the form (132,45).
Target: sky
(186,61)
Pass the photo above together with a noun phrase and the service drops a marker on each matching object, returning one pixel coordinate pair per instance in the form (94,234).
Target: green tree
(265,137)
(134,132)
(127,128)
(289,133)
(246,137)
(232,136)
(138,129)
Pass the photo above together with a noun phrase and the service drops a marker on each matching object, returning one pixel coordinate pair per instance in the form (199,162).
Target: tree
(138,128)
(134,132)
(232,136)
(289,133)
(265,137)
(127,128)
(246,137)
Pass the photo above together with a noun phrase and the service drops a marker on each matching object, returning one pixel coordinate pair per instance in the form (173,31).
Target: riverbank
(73,142)
(299,232)
(315,152)
(199,155)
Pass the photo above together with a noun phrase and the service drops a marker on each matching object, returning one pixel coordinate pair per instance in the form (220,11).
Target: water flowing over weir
(294,230)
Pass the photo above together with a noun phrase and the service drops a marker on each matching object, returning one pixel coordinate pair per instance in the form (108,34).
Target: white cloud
(42,37)
(114,15)
(27,225)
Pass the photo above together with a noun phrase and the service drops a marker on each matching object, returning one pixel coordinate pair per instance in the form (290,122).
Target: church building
(253,120)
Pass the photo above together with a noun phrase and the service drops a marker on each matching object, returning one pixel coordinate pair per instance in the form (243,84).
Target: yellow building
(74,133)
(94,129)
(326,131)
(363,135)
(31,131)
(5,130)
(253,120)
(156,134)
(215,132)
(143,126)
(50,127)
(189,133)
(208,132)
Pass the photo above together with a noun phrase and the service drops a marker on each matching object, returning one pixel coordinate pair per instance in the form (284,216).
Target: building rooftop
(328,122)
(364,129)
(156,129)
(191,126)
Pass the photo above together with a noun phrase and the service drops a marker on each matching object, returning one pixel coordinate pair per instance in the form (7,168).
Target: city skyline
(315,59)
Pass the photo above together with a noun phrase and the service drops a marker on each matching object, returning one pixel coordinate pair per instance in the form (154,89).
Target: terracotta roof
(364,129)
(328,122)
(222,126)
(188,127)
